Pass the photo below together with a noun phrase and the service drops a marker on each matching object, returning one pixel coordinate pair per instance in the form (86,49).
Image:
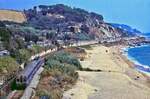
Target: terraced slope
(9,15)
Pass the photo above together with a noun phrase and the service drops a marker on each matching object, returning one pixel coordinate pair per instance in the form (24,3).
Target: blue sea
(140,56)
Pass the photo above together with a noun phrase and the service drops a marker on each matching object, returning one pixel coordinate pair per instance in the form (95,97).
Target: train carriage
(27,74)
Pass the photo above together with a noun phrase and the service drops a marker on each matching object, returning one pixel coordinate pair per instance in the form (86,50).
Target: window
(25,79)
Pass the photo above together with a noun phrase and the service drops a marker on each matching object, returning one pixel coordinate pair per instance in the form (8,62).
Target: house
(2,79)
(30,44)
(4,53)
(44,43)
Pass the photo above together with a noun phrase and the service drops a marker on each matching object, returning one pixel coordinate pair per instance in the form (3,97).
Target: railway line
(26,75)
(29,71)
(30,89)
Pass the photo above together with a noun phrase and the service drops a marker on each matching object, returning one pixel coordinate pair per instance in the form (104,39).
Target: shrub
(64,57)
(8,64)
(15,86)
(88,47)
(62,63)
(51,63)
(62,67)
(22,55)
(53,94)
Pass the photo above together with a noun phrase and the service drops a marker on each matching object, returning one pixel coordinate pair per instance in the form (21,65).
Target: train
(29,71)
(26,75)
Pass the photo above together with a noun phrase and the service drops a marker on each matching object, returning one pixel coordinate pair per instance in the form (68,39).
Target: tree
(2,24)
(35,10)
(50,35)
(97,16)
(22,55)
(5,34)
(85,29)
(20,43)
(31,37)
(8,64)
(44,9)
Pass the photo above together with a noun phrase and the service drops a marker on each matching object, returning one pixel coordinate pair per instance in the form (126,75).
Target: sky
(135,13)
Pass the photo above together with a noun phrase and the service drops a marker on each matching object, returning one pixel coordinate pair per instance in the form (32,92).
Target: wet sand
(117,80)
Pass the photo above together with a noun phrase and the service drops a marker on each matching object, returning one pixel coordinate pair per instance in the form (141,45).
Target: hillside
(60,23)
(73,21)
(126,28)
(10,15)
(55,23)
(65,22)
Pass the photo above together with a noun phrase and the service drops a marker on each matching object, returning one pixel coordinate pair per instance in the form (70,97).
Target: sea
(140,55)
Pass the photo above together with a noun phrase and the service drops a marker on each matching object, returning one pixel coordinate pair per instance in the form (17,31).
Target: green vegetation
(5,37)
(15,86)
(54,94)
(10,42)
(2,24)
(7,64)
(36,49)
(4,34)
(82,36)
(61,67)
(23,55)
(63,62)
(88,47)
(62,58)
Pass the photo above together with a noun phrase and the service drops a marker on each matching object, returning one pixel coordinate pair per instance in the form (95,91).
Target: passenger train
(27,74)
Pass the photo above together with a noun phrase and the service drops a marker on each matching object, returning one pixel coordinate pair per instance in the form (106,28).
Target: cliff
(65,22)
(63,19)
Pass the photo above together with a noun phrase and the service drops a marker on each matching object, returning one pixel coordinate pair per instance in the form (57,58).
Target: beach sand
(117,80)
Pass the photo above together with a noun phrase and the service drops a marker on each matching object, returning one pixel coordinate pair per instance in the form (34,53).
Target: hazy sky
(135,13)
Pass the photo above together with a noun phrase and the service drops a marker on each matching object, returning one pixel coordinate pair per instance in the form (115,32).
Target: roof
(4,52)
(28,69)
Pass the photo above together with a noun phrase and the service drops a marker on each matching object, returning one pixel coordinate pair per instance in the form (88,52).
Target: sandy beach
(116,80)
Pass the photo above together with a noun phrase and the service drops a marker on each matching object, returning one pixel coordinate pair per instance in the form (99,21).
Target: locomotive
(27,74)
(29,71)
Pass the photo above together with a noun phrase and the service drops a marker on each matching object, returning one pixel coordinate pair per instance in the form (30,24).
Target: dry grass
(14,16)
(78,52)
(53,84)
(59,75)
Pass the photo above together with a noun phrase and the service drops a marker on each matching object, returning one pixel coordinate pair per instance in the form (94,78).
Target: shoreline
(117,79)
(133,62)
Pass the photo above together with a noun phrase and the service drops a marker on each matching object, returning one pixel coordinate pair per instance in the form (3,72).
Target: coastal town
(59,52)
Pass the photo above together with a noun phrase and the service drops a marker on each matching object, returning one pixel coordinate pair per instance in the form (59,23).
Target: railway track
(8,81)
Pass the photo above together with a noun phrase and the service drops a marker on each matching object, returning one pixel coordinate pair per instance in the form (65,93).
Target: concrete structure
(30,89)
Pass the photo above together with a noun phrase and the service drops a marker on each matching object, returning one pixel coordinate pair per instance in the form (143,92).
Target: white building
(4,53)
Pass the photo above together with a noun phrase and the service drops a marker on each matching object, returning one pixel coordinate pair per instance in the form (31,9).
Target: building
(44,43)
(4,53)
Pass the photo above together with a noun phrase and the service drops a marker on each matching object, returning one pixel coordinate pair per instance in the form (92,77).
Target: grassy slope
(9,15)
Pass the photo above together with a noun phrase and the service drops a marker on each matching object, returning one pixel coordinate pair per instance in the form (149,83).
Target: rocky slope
(126,28)
(71,20)
(62,22)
